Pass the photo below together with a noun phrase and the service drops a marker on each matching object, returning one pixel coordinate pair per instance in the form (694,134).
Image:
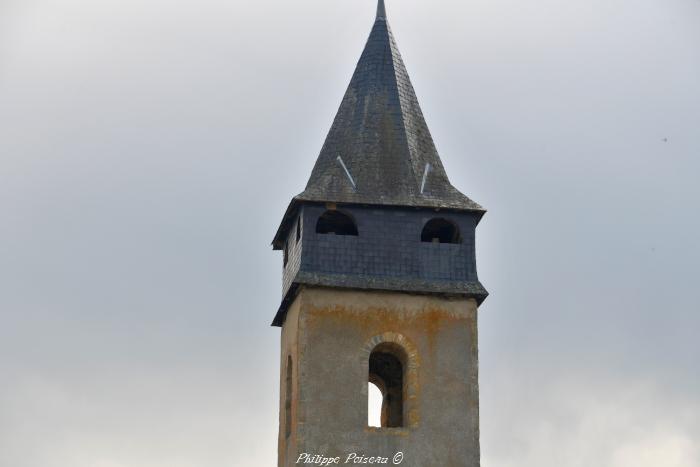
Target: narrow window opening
(440,231)
(374,405)
(288,400)
(386,372)
(336,223)
(298,229)
(286,253)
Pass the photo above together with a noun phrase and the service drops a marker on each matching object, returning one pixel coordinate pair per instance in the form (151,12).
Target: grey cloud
(148,150)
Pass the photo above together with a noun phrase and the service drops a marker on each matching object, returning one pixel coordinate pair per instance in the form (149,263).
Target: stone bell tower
(379,286)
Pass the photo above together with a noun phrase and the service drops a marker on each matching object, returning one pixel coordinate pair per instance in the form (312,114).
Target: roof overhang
(393,284)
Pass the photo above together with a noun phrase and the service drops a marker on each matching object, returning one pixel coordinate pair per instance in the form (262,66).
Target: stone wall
(332,332)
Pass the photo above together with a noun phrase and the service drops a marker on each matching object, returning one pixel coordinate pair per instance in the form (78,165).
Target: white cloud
(578,421)
(658,449)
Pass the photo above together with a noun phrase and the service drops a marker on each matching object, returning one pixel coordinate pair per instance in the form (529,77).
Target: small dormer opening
(298,229)
(440,231)
(285,253)
(336,223)
(386,372)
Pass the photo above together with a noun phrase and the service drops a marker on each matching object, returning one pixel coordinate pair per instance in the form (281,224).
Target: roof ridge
(396,56)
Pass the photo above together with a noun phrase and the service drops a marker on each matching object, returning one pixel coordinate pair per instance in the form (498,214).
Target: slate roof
(379,150)
(401,284)
(382,139)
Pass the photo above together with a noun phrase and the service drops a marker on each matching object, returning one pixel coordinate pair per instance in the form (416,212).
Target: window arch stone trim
(411,366)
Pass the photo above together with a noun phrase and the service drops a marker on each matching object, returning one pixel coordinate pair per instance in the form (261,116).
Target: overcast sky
(148,150)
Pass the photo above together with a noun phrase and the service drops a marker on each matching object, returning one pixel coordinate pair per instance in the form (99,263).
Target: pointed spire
(381,11)
(382,139)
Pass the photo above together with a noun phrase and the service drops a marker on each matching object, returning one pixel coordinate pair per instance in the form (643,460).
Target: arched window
(386,372)
(440,231)
(337,223)
(288,400)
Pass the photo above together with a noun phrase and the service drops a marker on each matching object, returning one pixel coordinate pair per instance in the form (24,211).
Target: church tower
(379,286)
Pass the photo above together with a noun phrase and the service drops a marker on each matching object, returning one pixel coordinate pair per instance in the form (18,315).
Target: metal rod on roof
(381,10)
(347,172)
(425,177)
